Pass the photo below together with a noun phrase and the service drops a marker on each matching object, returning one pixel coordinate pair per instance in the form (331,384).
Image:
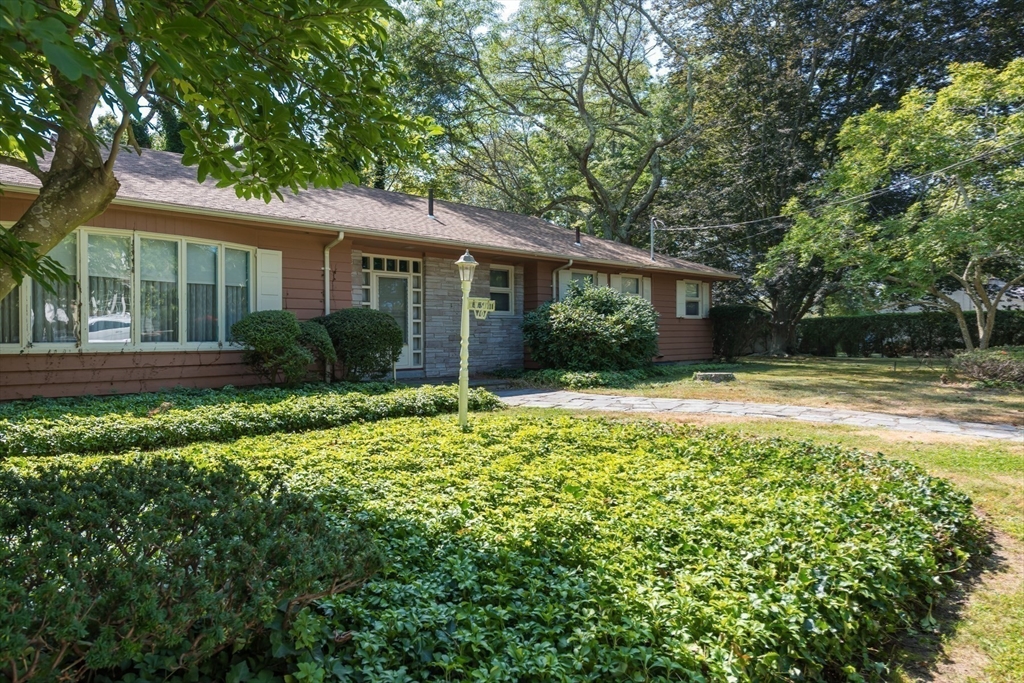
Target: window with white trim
(582,278)
(501,291)
(629,284)
(691,299)
(132,290)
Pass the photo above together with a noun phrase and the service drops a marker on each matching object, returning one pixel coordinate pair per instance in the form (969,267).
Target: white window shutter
(616,282)
(564,276)
(645,288)
(602,280)
(680,298)
(269,280)
(705,299)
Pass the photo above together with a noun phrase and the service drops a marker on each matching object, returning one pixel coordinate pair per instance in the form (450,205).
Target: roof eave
(368,232)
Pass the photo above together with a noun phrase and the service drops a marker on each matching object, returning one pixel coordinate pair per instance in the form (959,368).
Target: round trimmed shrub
(152,564)
(593,329)
(314,338)
(367,342)
(272,348)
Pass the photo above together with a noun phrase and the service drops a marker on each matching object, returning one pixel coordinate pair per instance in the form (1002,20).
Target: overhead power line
(849,200)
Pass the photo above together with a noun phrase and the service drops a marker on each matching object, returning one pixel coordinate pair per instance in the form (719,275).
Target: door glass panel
(110,289)
(393,299)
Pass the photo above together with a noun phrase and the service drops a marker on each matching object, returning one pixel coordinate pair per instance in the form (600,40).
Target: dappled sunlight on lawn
(913,388)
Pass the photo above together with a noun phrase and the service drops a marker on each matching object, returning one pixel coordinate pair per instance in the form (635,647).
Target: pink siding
(26,375)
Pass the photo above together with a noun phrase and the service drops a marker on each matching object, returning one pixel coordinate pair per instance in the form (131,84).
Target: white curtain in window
(158,314)
(202,292)
(10,327)
(236,287)
(54,314)
(110,289)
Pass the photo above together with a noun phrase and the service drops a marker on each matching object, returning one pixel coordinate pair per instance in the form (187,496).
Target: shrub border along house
(50,428)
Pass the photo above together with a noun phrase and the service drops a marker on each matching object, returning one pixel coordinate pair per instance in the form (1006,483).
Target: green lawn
(988,632)
(912,388)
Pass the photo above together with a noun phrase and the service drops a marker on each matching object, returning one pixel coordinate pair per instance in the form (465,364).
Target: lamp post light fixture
(480,307)
(467,264)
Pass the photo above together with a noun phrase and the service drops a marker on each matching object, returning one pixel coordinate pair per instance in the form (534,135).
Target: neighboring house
(164,272)
(1013,299)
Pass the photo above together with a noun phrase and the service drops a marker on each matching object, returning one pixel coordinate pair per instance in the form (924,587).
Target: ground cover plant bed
(148,421)
(559,548)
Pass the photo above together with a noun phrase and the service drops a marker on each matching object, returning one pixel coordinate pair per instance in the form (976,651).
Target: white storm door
(391,294)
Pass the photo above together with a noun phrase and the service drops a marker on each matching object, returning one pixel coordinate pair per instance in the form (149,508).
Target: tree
(557,112)
(273,93)
(779,79)
(929,197)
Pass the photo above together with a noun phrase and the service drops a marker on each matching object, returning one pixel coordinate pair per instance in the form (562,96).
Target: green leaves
(149,421)
(902,233)
(540,548)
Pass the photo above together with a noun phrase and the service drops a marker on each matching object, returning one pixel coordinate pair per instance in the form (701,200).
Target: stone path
(539,398)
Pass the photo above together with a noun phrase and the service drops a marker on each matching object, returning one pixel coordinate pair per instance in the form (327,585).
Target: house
(1012,300)
(162,274)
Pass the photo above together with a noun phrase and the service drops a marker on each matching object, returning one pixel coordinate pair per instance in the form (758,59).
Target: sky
(510,6)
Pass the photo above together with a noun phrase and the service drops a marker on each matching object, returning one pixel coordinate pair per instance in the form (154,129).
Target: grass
(981,639)
(871,384)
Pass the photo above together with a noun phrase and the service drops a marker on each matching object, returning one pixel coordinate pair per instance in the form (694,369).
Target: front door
(391,295)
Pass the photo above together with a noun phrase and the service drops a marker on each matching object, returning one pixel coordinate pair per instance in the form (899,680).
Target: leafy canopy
(266,94)
(276,93)
(928,197)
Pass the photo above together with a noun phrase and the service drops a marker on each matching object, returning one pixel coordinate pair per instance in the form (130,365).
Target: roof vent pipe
(430,203)
(578,243)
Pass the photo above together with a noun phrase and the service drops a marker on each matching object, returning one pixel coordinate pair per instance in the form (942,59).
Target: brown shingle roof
(159,178)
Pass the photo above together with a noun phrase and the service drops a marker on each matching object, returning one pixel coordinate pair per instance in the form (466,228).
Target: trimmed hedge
(143,565)
(367,342)
(270,340)
(570,379)
(535,548)
(593,329)
(737,329)
(1004,364)
(46,428)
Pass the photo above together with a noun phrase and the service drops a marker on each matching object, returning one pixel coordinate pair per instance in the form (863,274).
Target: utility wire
(850,200)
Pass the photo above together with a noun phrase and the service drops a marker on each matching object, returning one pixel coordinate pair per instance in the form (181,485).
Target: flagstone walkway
(571,400)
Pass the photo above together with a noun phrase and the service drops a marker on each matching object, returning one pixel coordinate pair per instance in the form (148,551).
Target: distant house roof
(159,180)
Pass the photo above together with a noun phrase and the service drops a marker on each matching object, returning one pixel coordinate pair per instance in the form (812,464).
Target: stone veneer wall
(496,342)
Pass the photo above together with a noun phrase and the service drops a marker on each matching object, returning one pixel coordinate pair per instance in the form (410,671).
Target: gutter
(554,279)
(378,234)
(327,271)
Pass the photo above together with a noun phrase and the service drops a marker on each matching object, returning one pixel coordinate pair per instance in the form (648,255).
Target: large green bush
(51,427)
(156,563)
(536,548)
(1004,364)
(367,342)
(593,329)
(272,349)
